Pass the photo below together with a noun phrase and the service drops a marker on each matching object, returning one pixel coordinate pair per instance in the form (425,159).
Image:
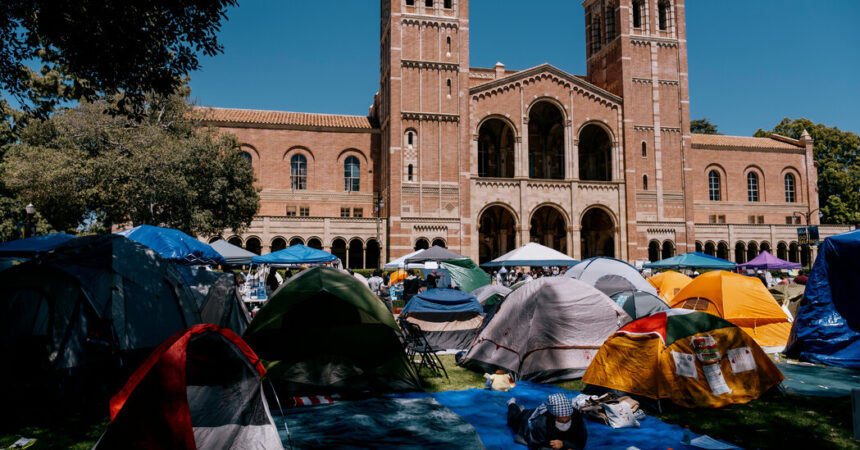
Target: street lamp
(31,212)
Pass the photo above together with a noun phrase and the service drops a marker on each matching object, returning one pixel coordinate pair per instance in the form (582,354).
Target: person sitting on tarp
(554,424)
(499,381)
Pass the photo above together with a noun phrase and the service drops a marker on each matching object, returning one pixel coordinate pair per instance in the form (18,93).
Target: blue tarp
(818,381)
(174,245)
(827,323)
(33,246)
(694,260)
(486,411)
(295,255)
(443,300)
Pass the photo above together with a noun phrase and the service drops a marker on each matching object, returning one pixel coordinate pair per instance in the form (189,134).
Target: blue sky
(751,63)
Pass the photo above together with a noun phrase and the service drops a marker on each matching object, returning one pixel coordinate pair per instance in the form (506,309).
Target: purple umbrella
(769,262)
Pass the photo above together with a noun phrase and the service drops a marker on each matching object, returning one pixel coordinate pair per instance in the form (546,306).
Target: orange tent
(692,358)
(398,276)
(743,301)
(669,283)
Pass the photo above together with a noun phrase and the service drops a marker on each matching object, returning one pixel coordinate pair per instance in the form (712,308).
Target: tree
(86,169)
(703,126)
(837,157)
(90,48)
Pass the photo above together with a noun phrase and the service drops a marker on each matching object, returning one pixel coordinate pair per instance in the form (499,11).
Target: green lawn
(779,421)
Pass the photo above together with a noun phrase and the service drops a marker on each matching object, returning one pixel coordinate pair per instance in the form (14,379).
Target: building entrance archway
(496,233)
(598,234)
(495,149)
(595,154)
(548,227)
(546,141)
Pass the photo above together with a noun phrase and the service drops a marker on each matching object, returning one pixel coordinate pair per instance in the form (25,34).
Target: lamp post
(31,227)
(377,209)
(807,245)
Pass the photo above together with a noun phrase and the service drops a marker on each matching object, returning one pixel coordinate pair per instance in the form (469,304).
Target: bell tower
(422,108)
(637,49)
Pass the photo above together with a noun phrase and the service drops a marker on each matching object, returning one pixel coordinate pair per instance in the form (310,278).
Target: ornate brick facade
(483,160)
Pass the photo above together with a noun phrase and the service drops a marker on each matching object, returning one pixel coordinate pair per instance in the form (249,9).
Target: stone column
(576,242)
(346,257)
(568,152)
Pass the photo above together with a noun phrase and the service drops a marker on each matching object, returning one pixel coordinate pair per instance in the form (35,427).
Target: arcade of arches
(548,227)
(356,254)
(546,142)
(496,149)
(496,233)
(597,234)
(743,251)
(595,154)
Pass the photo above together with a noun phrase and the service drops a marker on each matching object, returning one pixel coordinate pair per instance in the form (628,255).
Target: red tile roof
(261,117)
(718,140)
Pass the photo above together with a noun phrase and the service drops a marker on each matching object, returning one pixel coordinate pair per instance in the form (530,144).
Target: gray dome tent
(88,301)
(547,330)
(639,304)
(610,275)
(218,298)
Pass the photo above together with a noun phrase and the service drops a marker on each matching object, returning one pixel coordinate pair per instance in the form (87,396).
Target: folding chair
(416,345)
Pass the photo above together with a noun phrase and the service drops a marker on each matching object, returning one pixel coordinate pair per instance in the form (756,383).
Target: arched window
(351,174)
(752,187)
(410,138)
(714,186)
(645,182)
(790,196)
(298,172)
(448,83)
(637,14)
(409,173)
(596,39)
(448,42)
(663,12)
(246,155)
(644,150)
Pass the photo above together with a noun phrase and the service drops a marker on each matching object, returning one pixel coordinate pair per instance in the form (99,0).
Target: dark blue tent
(827,326)
(31,247)
(295,255)
(174,245)
(449,318)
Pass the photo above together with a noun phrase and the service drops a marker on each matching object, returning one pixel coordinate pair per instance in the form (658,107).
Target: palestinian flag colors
(693,358)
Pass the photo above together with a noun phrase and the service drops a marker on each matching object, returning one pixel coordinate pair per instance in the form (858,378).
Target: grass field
(778,421)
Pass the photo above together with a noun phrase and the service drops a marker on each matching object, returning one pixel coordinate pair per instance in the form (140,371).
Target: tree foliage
(85,168)
(703,126)
(91,48)
(837,158)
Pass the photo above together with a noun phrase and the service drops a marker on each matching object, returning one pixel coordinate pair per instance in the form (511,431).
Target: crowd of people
(507,278)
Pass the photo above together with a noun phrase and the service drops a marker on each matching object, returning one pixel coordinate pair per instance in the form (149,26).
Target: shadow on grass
(53,430)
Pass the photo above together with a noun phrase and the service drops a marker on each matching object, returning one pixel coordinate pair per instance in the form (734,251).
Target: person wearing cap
(554,424)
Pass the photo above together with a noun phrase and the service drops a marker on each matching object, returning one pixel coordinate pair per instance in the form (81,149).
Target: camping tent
(609,275)
(218,298)
(434,254)
(401,261)
(743,301)
(669,283)
(547,330)
(174,245)
(693,358)
(295,255)
(31,247)
(694,260)
(323,331)
(638,304)
(202,388)
(235,256)
(827,326)
(788,296)
(449,318)
(89,300)
(465,274)
(532,254)
(766,261)
(490,293)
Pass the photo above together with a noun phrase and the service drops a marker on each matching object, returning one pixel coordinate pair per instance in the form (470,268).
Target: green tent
(325,332)
(466,274)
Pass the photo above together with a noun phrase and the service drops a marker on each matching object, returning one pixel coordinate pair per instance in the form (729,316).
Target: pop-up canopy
(174,245)
(295,255)
(532,254)
(694,260)
(233,254)
(435,254)
(766,261)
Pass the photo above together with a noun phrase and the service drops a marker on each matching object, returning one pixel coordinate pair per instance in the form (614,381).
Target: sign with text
(802,237)
(813,235)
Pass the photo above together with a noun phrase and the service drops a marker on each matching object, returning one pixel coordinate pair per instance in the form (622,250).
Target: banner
(802,237)
(813,235)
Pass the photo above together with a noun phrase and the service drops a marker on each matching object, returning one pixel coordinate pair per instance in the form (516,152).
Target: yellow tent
(669,283)
(743,301)
(693,358)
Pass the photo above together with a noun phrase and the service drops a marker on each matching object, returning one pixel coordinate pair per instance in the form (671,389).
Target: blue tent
(295,255)
(31,247)
(827,326)
(443,300)
(694,260)
(450,319)
(174,245)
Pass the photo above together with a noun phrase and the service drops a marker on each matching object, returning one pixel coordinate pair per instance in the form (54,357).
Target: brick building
(483,160)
